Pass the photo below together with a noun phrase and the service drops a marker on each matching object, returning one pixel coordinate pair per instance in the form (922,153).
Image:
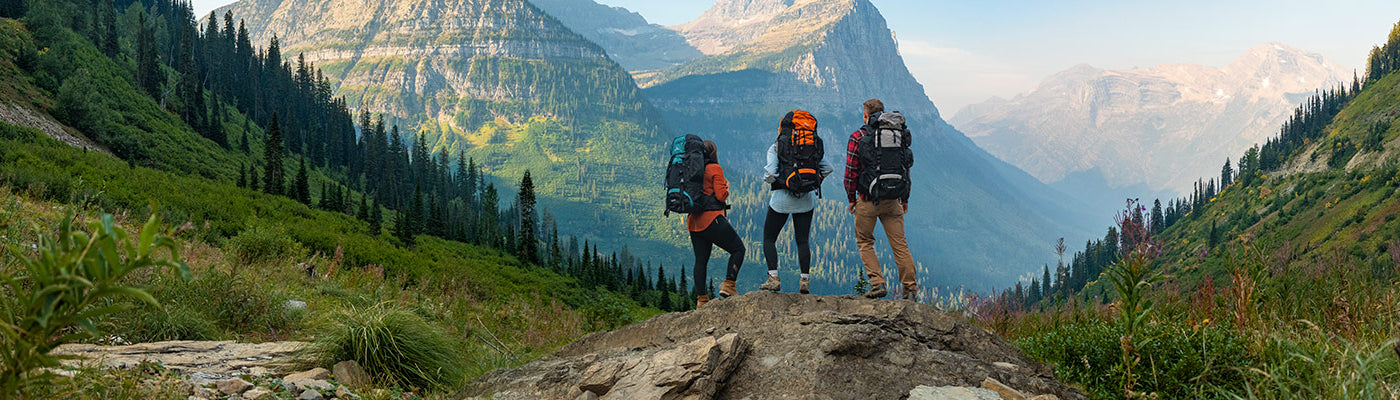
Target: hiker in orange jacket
(712,228)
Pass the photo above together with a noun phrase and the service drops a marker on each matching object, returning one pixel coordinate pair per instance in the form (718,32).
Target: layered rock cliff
(628,38)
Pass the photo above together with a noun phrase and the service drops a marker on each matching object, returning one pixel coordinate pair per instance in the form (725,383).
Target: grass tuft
(395,347)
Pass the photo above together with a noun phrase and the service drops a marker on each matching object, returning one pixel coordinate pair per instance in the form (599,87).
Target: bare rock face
(768,345)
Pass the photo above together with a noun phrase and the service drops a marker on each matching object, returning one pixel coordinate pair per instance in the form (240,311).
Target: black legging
(801,229)
(721,234)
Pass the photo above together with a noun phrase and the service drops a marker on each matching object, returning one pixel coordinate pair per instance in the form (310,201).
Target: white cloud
(955,78)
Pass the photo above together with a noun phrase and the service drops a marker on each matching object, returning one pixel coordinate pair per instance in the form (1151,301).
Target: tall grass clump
(67,285)
(394,346)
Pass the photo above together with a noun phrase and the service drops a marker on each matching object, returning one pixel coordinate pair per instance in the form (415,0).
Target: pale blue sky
(967,51)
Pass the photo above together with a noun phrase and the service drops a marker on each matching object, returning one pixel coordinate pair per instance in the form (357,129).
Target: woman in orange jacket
(712,228)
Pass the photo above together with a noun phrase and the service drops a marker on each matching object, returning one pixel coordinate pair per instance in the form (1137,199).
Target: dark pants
(721,234)
(801,229)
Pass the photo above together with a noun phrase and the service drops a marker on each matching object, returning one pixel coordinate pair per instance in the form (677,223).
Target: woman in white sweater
(783,204)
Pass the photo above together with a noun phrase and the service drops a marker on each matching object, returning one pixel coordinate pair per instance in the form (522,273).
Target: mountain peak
(765,25)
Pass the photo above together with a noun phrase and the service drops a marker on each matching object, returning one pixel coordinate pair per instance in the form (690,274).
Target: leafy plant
(65,288)
(1132,278)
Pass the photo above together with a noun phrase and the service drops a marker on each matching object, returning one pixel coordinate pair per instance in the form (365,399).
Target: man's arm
(852,167)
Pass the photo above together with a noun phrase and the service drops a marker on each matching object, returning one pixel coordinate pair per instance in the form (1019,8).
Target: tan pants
(891,216)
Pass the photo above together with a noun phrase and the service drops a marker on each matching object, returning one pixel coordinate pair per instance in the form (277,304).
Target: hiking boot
(911,294)
(727,289)
(876,291)
(701,300)
(802,286)
(773,284)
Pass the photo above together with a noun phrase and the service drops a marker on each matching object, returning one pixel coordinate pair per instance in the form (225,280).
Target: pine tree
(1157,221)
(253,178)
(303,189)
(489,228)
(526,204)
(1227,175)
(148,74)
(110,45)
(376,219)
(363,212)
(1045,289)
(242,177)
(273,181)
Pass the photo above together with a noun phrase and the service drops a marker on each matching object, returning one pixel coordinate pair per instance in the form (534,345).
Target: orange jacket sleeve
(717,181)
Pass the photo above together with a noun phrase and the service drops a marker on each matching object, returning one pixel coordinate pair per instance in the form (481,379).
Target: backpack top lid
(887,120)
(798,120)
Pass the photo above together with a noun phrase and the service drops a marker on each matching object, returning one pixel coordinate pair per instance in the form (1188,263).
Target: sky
(965,52)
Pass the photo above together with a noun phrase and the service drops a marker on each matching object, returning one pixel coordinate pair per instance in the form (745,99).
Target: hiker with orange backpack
(795,170)
(696,187)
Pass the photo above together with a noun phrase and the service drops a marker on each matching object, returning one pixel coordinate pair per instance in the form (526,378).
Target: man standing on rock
(878,160)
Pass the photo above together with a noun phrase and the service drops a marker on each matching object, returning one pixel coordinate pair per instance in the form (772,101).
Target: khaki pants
(891,216)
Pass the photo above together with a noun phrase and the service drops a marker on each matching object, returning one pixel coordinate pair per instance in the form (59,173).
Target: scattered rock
(201,379)
(783,345)
(313,374)
(310,394)
(1006,392)
(294,305)
(343,393)
(316,384)
(1046,397)
(290,387)
(257,393)
(952,393)
(233,386)
(259,372)
(351,374)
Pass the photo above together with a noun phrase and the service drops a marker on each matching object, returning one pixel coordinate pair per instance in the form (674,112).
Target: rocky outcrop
(217,359)
(1164,126)
(767,345)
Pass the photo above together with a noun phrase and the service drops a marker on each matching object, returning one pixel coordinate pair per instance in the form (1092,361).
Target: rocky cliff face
(975,220)
(1164,126)
(628,38)
(766,345)
(499,81)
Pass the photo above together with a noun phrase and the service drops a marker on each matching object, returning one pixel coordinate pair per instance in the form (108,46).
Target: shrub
(1178,361)
(393,345)
(205,307)
(263,242)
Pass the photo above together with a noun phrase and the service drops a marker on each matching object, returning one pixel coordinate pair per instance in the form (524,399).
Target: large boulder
(769,345)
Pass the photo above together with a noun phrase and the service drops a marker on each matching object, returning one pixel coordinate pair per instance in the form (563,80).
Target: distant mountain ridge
(628,38)
(1163,126)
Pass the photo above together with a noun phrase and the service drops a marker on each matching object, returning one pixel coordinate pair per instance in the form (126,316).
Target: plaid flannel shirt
(853,166)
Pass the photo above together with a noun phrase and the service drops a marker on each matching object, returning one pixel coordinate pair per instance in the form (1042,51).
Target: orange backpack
(800,153)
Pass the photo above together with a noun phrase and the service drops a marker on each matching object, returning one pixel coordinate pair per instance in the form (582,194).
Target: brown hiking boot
(877,291)
(727,289)
(802,286)
(701,300)
(773,284)
(911,293)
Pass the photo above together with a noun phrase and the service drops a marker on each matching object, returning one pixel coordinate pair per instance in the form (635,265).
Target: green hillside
(1278,279)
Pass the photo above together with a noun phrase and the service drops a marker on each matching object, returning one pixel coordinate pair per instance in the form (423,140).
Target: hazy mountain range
(1154,129)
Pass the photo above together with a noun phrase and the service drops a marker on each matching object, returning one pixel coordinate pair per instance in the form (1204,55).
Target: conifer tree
(526,203)
(148,75)
(363,212)
(303,189)
(273,182)
(242,177)
(253,178)
(376,219)
(1227,175)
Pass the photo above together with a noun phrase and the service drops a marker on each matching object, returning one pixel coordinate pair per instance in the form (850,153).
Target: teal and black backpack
(685,178)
